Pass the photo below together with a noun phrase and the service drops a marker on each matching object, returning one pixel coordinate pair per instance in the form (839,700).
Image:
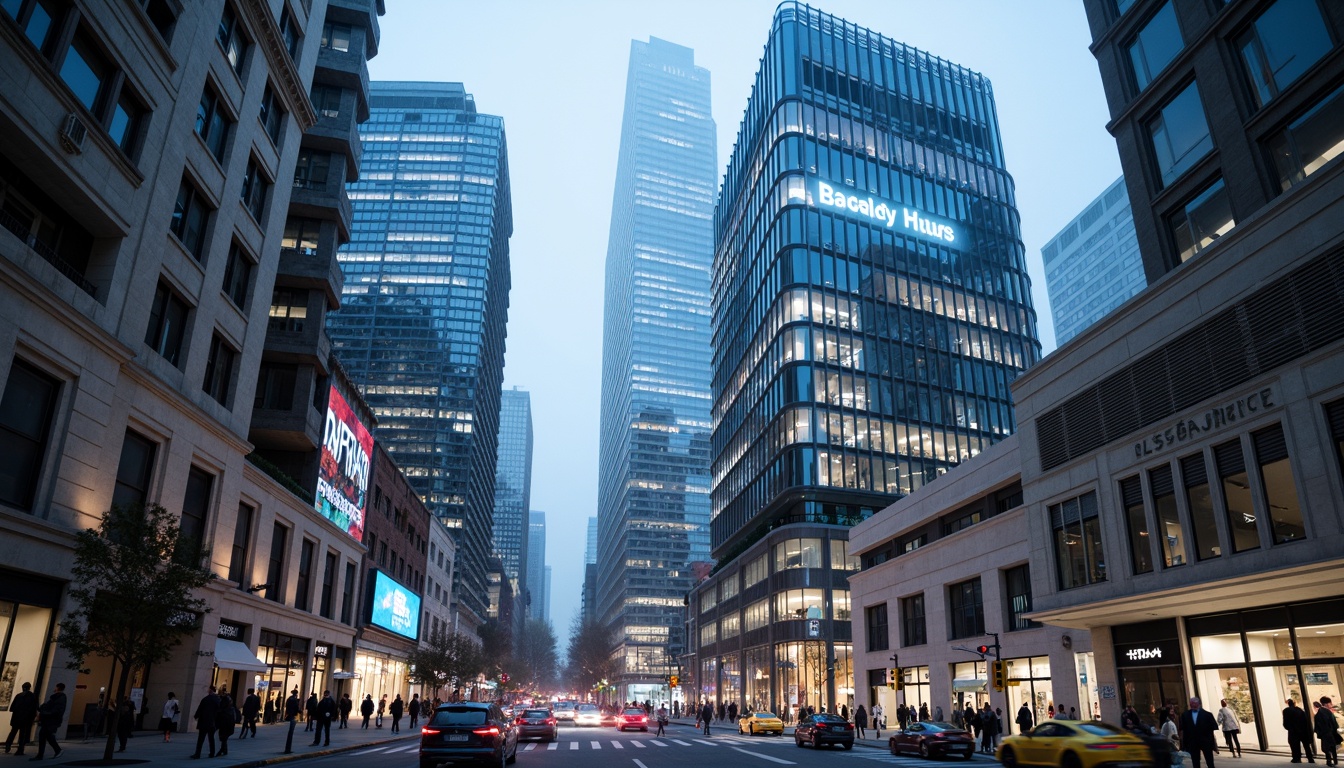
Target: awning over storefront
(231,654)
(964,684)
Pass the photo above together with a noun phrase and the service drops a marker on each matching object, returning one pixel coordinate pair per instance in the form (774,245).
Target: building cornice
(281,65)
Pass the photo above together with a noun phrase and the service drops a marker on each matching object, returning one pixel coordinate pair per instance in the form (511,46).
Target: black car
(932,739)
(468,732)
(536,723)
(822,728)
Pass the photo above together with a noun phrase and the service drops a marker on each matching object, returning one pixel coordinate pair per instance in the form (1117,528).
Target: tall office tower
(588,604)
(426,296)
(537,597)
(513,491)
(145,158)
(653,502)
(871,306)
(1092,266)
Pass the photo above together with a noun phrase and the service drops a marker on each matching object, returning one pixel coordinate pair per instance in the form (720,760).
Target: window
(127,116)
(219,370)
(37,18)
(255,187)
(1180,134)
(875,621)
(756,615)
(328,585)
(1136,523)
(310,172)
(336,37)
(729,587)
(1236,483)
(163,16)
(27,409)
(191,216)
(271,115)
(1283,43)
(730,626)
(290,33)
(303,580)
(841,560)
(966,609)
(301,236)
(275,568)
(1168,519)
(238,276)
(275,387)
(289,310)
(798,553)
(1017,580)
(1276,477)
(912,621)
(196,506)
(86,71)
(1080,557)
(232,39)
(755,572)
(1199,223)
(212,123)
(1122,5)
(242,538)
(1155,46)
(348,594)
(326,101)
(1310,141)
(1200,502)
(134,470)
(167,324)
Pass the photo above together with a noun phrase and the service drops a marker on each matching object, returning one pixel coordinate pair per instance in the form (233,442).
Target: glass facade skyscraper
(871,305)
(423,310)
(653,503)
(1093,265)
(513,491)
(539,596)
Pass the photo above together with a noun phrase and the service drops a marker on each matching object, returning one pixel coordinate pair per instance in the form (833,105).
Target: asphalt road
(681,748)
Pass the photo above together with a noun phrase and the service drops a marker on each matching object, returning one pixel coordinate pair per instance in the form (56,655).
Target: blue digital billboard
(394,607)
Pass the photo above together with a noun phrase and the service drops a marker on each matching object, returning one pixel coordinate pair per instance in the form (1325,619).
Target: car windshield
(764,715)
(459,716)
(828,718)
(934,726)
(533,713)
(1100,729)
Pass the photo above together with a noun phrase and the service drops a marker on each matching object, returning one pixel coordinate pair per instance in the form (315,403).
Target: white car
(588,714)
(564,710)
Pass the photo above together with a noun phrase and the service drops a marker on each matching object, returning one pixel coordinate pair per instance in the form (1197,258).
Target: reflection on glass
(1219,649)
(1285,513)
(1180,134)
(1236,486)
(1310,141)
(1200,222)
(1155,46)
(1283,43)
(1200,501)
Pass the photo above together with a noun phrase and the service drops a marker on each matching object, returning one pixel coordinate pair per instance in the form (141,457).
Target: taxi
(760,722)
(1075,744)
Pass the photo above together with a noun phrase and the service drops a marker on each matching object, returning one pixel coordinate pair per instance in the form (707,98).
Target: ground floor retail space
(782,678)
(27,618)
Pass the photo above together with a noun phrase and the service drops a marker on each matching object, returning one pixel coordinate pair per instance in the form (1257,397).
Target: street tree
(590,663)
(447,656)
(533,666)
(134,593)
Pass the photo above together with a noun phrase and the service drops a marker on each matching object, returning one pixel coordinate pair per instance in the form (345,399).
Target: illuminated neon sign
(394,607)
(890,215)
(343,473)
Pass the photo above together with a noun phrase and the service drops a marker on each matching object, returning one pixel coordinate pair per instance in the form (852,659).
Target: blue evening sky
(556,72)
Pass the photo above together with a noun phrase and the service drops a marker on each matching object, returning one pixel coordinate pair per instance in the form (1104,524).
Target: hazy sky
(556,72)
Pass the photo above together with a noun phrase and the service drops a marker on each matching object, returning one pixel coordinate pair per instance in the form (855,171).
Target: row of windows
(965,612)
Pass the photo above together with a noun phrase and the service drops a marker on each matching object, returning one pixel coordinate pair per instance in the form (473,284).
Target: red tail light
(519,721)
(491,731)
(849,726)
(430,731)
(1103,745)
(821,726)
(550,721)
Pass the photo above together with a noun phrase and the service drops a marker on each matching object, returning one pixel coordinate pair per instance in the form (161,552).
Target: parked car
(587,714)
(822,728)
(468,731)
(537,723)
(932,739)
(760,722)
(632,718)
(564,710)
(1075,744)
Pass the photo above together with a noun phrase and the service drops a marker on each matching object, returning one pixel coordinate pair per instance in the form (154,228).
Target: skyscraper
(1092,266)
(423,311)
(513,491)
(653,505)
(538,596)
(588,604)
(871,306)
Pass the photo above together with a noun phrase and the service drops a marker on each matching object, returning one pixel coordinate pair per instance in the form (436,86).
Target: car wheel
(924,750)
(1009,758)
(966,755)
(815,744)
(513,757)
(848,745)
(797,742)
(891,745)
(1071,761)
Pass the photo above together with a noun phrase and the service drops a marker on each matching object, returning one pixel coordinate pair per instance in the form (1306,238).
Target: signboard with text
(393,607)
(343,474)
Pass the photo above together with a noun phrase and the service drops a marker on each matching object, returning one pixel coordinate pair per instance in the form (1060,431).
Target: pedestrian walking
(327,711)
(206,710)
(310,709)
(382,709)
(1230,725)
(1196,728)
(413,709)
(251,710)
(902,715)
(268,711)
(1327,730)
(346,706)
(938,714)
(662,720)
(861,721)
(22,714)
(225,718)
(879,717)
(923,712)
(1298,725)
(1024,719)
(125,721)
(396,708)
(49,717)
(172,712)
(989,726)
(366,709)
(706,715)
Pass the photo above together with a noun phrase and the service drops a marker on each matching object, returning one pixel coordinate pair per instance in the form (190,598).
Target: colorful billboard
(394,607)
(343,475)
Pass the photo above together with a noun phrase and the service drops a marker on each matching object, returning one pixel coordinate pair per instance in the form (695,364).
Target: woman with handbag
(1231,728)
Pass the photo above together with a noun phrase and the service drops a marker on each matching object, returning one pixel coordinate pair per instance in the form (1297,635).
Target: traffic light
(896,678)
(1000,676)
(673,681)
(982,649)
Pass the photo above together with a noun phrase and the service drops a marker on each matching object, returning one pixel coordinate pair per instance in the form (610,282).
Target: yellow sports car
(1075,744)
(760,722)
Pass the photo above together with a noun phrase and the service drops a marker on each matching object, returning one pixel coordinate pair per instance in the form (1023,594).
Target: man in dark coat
(1198,727)
(346,706)
(49,717)
(310,709)
(206,711)
(1025,720)
(366,709)
(1298,725)
(396,708)
(413,709)
(251,708)
(1327,730)
(326,712)
(707,715)
(22,713)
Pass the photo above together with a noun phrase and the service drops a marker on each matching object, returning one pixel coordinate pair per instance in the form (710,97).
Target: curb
(306,755)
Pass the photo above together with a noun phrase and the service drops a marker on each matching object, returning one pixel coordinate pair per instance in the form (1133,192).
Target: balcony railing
(21,231)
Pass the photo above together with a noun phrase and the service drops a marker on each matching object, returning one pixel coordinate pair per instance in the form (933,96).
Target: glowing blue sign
(394,607)
(890,215)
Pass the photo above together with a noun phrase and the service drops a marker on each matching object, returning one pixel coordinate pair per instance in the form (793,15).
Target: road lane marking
(367,751)
(659,743)
(573,745)
(529,747)
(552,746)
(638,744)
(596,744)
(764,757)
(682,743)
(641,764)
(702,741)
(617,744)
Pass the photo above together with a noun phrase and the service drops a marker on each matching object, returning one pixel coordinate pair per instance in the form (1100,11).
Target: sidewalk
(266,749)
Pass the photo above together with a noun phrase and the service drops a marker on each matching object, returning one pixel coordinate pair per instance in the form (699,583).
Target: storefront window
(23,638)
(758,679)
(1219,649)
(1032,686)
(730,679)
(709,679)
(915,689)
(1086,665)
(288,658)
(1270,645)
(970,683)
(1230,684)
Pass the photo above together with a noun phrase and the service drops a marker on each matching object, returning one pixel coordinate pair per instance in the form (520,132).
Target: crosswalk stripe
(638,744)
(573,745)
(617,744)
(682,743)
(764,757)
(659,743)
(596,745)
(552,746)
(529,747)
(706,743)
(368,751)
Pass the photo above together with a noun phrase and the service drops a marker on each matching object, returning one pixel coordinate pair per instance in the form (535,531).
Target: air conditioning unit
(72,134)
